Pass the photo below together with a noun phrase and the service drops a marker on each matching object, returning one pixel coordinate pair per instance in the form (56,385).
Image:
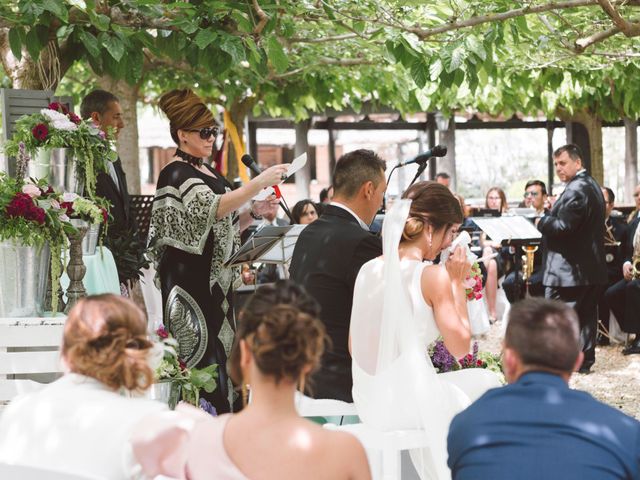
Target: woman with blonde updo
(80,423)
(279,342)
(402,303)
(194,230)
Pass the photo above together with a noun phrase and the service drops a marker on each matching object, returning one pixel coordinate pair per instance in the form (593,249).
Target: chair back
(24,472)
(29,355)
(15,103)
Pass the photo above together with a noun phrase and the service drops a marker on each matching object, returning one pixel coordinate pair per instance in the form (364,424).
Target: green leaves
(16,39)
(276,55)
(114,45)
(205,38)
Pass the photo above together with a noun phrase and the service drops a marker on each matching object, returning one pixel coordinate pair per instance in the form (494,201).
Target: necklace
(195,161)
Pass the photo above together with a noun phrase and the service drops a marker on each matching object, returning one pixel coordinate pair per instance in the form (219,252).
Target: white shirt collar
(344,207)
(581,171)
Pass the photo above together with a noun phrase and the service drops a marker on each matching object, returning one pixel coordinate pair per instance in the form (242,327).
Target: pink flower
(31,190)
(162,332)
(55,204)
(69,197)
(74,118)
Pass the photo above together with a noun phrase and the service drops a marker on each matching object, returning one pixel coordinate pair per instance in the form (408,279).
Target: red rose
(38,214)
(105,215)
(183,366)
(68,206)
(58,107)
(40,132)
(161,331)
(74,118)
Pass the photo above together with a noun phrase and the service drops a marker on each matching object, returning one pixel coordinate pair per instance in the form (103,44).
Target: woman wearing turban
(194,230)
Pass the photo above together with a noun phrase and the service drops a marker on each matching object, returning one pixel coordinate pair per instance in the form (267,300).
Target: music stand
(269,244)
(511,231)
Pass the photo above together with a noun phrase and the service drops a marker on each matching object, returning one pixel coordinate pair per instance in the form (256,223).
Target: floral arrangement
(190,380)
(473,283)
(57,127)
(32,214)
(443,361)
(93,211)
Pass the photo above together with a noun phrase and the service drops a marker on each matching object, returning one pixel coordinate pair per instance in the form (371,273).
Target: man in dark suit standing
(329,254)
(103,108)
(573,239)
(537,427)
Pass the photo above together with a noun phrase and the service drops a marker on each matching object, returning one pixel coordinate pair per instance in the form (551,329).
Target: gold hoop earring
(245,395)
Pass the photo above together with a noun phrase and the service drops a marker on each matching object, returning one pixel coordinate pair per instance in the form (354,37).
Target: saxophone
(635,260)
(527,262)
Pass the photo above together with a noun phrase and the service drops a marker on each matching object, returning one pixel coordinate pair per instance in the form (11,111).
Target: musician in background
(623,298)
(535,197)
(615,228)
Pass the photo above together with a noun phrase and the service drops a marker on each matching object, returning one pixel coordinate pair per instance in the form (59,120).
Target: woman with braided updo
(279,342)
(195,227)
(402,303)
(80,423)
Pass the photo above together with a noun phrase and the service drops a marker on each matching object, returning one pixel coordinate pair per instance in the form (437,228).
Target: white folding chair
(24,472)
(29,349)
(388,444)
(323,407)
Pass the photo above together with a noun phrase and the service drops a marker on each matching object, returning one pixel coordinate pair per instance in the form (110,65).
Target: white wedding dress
(395,385)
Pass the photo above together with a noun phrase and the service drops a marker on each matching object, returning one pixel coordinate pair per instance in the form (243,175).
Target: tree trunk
(238,112)
(25,73)
(593,125)
(303,176)
(630,158)
(128,138)
(448,162)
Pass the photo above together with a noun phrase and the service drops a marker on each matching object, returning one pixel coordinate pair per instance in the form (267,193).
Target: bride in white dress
(400,306)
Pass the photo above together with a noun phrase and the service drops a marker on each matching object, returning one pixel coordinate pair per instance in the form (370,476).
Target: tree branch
(336,38)
(583,43)
(262,16)
(626,27)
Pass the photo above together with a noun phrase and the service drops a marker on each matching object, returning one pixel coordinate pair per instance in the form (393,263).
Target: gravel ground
(614,379)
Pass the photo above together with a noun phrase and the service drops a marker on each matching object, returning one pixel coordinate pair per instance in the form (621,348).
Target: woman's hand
(263,206)
(458,265)
(272,175)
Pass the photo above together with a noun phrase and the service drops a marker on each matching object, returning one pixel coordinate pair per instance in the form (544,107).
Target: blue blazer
(538,428)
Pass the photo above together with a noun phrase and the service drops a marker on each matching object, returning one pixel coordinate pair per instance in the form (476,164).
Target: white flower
(64,217)
(69,197)
(52,115)
(65,124)
(31,190)
(155,355)
(55,204)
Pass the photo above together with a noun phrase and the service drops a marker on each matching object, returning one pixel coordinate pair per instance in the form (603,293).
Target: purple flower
(441,358)
(208,407)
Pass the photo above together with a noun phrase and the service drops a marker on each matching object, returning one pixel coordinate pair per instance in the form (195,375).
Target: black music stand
(511,231)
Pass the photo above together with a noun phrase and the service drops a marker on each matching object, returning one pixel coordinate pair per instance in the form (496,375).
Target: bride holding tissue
(401,305)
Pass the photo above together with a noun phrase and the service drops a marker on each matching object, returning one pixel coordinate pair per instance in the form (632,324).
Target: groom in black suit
(573,233)
(329,254)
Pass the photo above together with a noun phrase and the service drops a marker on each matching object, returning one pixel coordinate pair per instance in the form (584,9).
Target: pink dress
(186,444)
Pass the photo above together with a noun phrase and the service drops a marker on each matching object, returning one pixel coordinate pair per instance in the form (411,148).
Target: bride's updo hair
(281,328)
(186,111)
(431,203)
(105,337)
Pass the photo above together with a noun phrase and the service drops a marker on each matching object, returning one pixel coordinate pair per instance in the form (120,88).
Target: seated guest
(270,272)
(326,194)
(623,297)
(535,196)
(304,212)
(495,200)
(615,228)
(537,427)
(443,178)
(329,254)
(80,423)
(279,342)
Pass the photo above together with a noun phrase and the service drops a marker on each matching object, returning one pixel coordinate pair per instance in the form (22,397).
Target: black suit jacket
(118,197)
(573,235)
(614,252)
(326,261)
(627,240)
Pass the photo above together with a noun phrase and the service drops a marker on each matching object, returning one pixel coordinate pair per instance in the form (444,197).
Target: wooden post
(332,146)
(303,176)
(630,158)
(431,137)
(550,168)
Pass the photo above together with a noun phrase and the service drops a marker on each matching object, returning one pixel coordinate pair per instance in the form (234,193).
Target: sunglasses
(530,194)
(206,132)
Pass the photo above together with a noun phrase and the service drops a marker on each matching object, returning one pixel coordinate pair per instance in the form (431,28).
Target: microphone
(251,164)
(437,151)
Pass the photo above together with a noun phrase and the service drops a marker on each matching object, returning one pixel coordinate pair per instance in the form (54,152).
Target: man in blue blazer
(536,427)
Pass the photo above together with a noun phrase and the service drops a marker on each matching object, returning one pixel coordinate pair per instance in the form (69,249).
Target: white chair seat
(323,407)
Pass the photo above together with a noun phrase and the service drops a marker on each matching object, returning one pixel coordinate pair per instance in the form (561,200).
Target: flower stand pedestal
(76,268)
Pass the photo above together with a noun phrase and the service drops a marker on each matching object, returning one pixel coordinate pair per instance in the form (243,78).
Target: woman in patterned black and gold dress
(194,230)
